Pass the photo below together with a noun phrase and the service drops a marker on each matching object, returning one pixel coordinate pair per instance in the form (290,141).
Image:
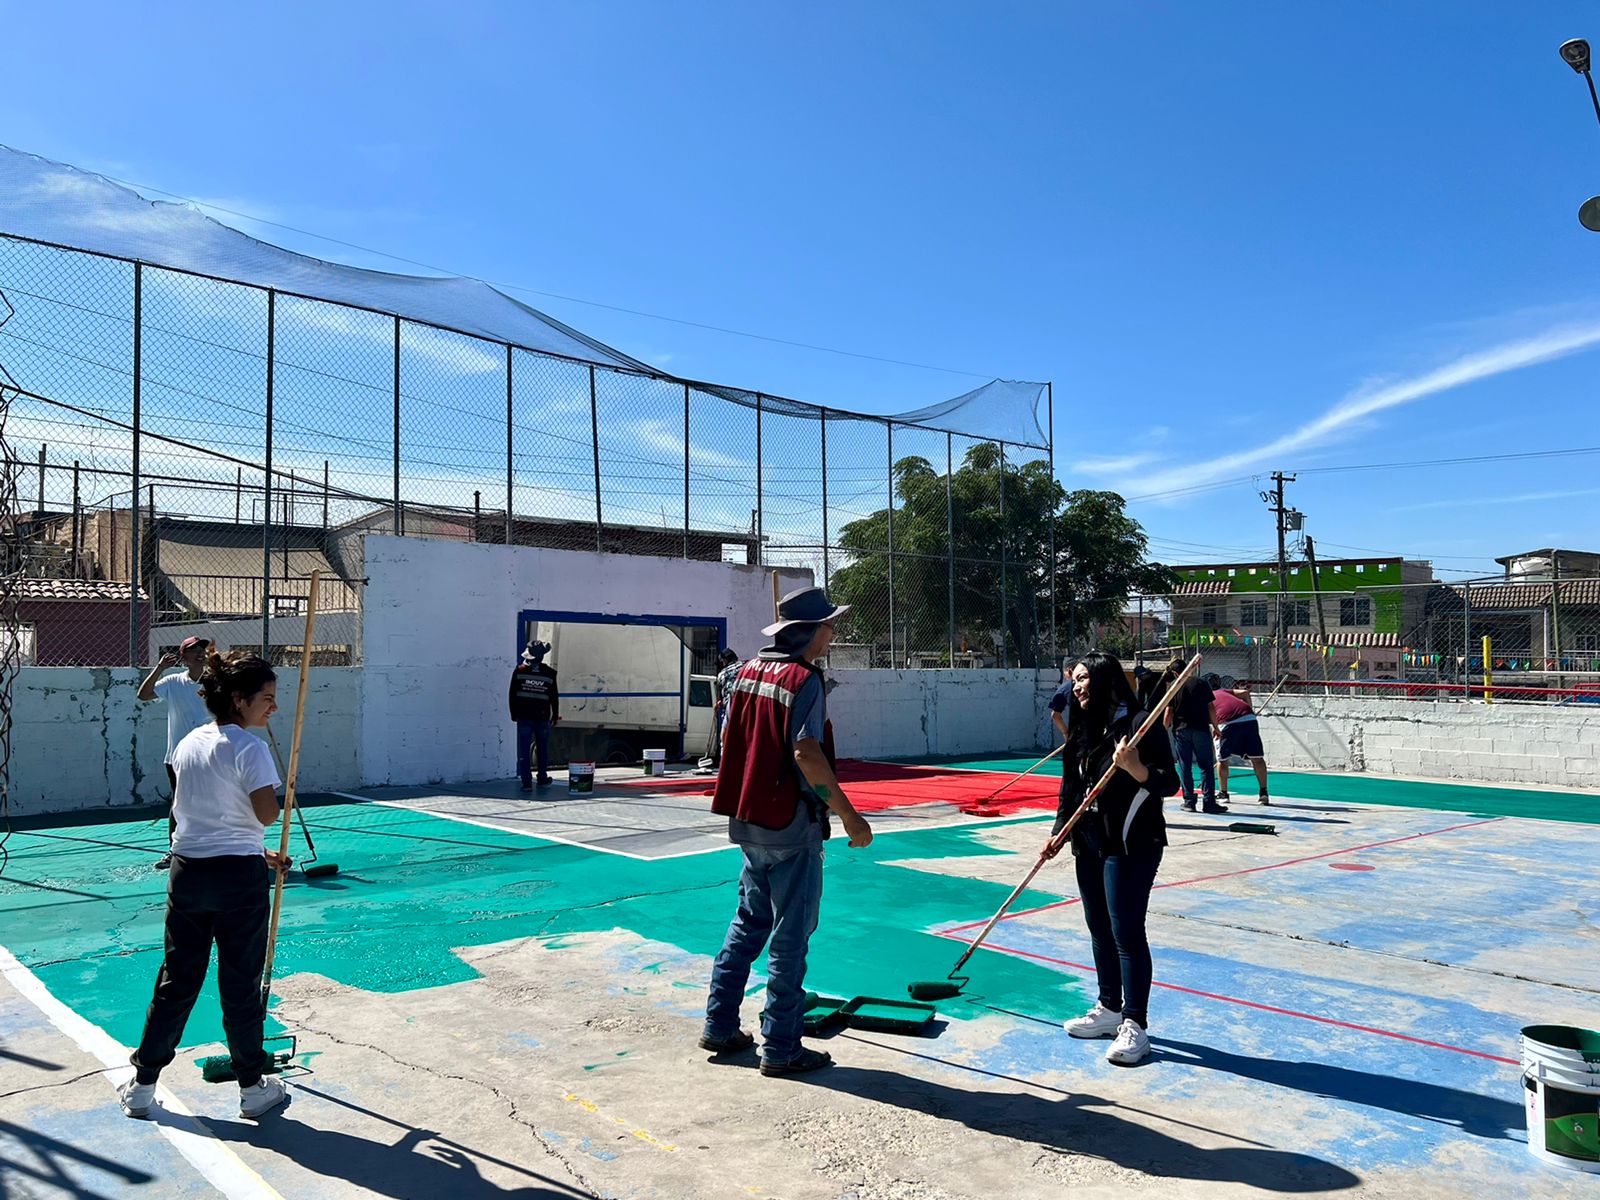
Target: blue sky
(1237,236)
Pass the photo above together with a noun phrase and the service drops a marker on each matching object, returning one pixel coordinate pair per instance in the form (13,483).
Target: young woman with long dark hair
(218,887)
(1116,846)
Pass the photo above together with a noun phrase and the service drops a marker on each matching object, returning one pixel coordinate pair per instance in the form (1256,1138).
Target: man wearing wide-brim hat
(777,788)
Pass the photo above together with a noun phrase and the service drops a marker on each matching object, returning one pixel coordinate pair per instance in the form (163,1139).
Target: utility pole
(1274,498)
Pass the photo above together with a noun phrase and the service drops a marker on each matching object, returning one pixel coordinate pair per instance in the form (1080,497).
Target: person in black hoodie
(1116,846)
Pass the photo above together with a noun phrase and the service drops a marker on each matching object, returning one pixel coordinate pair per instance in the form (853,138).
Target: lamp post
(1575,53)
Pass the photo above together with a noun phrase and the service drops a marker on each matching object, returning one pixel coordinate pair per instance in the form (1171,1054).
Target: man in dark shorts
(1240,735)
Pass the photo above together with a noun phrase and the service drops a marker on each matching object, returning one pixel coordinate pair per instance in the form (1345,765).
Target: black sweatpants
(223,900)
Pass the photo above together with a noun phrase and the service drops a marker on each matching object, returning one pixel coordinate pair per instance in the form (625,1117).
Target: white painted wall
(1498,743)
(83,740)
(439,634)
(901,714)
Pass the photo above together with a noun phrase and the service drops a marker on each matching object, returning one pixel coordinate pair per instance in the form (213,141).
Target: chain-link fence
(1515,639)
(188,450)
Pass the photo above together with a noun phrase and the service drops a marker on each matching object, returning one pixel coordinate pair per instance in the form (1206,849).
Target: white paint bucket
(655,762)
(580,777)
(1561,1095)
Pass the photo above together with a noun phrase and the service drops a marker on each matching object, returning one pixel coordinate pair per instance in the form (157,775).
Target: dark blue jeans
(780,895)
(222,900)
(1194,746)
(1116,897)
(529,732)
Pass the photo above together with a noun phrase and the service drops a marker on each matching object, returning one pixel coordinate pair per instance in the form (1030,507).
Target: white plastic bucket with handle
(580,777)
(655,762)
(1561,1095)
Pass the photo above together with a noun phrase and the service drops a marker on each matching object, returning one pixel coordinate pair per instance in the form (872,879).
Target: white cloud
(1113,466)
(1348,414)
(1491,501)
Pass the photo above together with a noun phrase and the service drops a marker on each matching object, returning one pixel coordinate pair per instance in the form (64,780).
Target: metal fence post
(825,561)
(324,493)
(1555,613)
(594,433)
(950,534)
(1466,636)
(510,468)
(1005,602)
(44,453)
(893,661)
(686,470)
(398,530)
(266,478)
(761,510)
(77,525)
(133,495)
(1050,400)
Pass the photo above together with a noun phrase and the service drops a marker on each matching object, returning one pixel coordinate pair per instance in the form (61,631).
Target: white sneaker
(1132,1045)
(264,1097)
(136,1098)
(1098,1022)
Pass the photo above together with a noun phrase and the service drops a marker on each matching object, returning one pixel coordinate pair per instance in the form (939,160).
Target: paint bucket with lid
(655,762)
(580,777)
(1561,1095)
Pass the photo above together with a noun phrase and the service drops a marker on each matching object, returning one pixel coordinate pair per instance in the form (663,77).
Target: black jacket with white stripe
(1127,817)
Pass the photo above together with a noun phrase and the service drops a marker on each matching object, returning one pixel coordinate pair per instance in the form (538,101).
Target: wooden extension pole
(289,785)
(1053,846)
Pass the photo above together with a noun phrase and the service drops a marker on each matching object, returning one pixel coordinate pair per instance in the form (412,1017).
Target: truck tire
(619,753)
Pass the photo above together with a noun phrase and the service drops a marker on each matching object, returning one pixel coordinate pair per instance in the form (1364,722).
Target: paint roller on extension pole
(952,984)
(984,807)
(219,1068)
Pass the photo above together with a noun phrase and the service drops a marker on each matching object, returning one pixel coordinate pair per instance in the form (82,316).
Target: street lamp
(1575,53)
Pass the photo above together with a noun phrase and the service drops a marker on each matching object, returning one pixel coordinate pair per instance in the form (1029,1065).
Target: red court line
(1410,837)
(1285,1012)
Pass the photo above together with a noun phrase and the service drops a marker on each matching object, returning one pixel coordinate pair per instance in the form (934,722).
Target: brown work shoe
(731,1044)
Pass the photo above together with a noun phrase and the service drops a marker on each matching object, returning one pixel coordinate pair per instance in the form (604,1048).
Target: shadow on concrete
(421,1165)
(52,1165)
(1074,1124)
(1471,1113)
(29,1061)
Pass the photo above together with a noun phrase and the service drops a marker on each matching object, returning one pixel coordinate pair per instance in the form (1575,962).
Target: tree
(1001,567)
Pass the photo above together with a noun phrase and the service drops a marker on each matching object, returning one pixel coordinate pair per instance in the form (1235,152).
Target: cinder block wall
(81,739)
(904,714)
(1497,743)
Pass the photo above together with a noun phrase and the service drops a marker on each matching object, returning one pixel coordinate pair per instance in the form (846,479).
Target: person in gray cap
(777,787)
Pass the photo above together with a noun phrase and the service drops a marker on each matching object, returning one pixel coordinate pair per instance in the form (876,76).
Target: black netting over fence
(190,441)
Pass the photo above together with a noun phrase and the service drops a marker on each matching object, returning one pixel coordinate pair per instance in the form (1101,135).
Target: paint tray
(887,1016)
(821,1012)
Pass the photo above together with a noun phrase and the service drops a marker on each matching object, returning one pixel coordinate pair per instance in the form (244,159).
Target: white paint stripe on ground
(220,1166)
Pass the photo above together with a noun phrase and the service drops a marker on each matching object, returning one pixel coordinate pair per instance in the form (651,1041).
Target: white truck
(625,689)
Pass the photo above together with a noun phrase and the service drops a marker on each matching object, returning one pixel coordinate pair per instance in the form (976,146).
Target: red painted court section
(877,787)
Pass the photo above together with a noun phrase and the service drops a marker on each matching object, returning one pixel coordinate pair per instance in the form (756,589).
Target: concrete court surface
(503,1001)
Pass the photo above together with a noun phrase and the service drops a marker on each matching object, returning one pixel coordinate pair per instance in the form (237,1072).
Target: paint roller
(218,1068)
(951,985)
(985,807)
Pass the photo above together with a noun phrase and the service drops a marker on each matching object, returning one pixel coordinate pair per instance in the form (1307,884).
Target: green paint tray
(821,1011)
(887,1016)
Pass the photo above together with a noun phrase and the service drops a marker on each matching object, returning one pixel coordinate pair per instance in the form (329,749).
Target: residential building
(1348,617)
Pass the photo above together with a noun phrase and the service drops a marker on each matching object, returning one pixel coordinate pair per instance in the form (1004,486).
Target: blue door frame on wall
(531,616)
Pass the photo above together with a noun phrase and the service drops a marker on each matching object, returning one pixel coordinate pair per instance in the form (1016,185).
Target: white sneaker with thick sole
(264,1097)
(136,1098)
(1132,1045)
(1098,1022)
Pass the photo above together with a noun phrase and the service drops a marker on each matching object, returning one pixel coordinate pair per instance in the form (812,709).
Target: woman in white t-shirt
(218,887)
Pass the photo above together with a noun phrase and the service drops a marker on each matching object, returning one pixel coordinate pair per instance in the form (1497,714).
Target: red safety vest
(758,781)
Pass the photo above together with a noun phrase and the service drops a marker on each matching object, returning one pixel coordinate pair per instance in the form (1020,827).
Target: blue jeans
(780,895)
(1194,745)
(1116,897)
(527,732)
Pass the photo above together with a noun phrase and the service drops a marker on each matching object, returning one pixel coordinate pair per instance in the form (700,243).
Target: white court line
(220,1166)
(910,826)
